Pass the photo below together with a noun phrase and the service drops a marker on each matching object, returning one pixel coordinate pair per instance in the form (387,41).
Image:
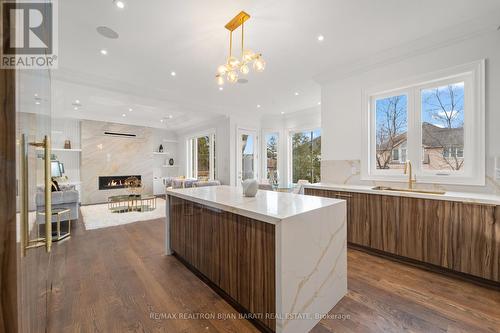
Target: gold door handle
(26,242)
(48,195)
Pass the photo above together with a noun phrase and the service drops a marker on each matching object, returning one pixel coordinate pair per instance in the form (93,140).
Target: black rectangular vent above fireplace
(114,182)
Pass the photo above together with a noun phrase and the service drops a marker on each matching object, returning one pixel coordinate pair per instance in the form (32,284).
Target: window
(437,122)
(271,141)
(306,155)
(201,153)
(391,126)
(443,127)
(395,155)
(248,156)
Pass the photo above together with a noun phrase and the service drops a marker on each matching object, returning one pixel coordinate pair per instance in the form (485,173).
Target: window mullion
(414,148)
(211,158)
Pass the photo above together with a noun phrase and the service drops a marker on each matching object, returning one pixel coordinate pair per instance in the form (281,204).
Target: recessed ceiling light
(37,102)
(161,120)
(124,115)
(77,101)
(282,112)
(258,105)
(170,116)
(104,51)
(221,88)
(173,73)
(296,94)
(120,4)
(75,108)
(321,38)
(36,95)
(130,109)
(319,103)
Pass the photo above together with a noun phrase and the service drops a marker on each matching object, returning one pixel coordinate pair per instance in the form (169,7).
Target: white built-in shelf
(170,141)
(158,153)
(76,150)
(68,150)
(170,166)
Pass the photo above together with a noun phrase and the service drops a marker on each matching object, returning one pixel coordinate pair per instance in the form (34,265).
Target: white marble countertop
(267,206)
(468,197)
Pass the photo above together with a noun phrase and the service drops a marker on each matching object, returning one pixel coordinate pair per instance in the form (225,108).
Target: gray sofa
(176,182)
(68,197)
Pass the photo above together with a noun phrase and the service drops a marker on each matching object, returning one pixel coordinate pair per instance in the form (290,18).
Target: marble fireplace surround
(104,155)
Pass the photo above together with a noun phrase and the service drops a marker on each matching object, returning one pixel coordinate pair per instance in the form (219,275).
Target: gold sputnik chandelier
(234,66)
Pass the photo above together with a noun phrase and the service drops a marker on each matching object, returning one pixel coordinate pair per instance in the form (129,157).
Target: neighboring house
(442,149)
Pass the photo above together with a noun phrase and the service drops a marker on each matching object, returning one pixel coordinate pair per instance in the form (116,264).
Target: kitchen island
(279,258)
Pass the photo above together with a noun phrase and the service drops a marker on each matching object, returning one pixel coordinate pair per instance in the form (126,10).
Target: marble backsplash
(348,172)
(114,156)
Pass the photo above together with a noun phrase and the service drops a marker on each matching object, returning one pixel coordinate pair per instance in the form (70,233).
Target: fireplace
(114,182)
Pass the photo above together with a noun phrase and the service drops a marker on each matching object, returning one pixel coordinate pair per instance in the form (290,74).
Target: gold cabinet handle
(340,195)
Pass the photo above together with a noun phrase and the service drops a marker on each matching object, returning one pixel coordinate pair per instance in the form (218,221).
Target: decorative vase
(171,161)
(160,150)
(250,187)
(67,144)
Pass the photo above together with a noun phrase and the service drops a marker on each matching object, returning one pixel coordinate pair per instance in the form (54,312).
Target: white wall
(342,99)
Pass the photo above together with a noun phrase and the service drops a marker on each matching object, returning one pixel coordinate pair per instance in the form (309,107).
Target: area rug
(99,216)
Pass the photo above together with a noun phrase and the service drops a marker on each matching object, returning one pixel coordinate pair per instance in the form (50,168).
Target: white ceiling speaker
(107,32)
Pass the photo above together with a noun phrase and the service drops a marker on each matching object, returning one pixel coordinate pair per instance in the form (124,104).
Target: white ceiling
(188,37)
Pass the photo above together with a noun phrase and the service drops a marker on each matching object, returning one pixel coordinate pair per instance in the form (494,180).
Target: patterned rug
(99,216)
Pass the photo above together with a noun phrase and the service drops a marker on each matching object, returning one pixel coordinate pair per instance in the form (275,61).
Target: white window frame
(473,74)
(192,166)
(290,148)
(264,133)
(257,164)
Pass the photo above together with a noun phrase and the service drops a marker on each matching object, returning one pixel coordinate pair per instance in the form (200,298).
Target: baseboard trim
(237,306)
(428,267)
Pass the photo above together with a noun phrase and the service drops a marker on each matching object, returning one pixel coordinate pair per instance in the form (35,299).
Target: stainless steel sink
(393,189)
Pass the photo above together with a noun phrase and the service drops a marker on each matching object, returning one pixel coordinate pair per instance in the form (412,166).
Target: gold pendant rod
(242,34)
(230,44)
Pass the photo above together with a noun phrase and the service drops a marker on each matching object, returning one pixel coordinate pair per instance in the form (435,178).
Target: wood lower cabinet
(459,236)
(235,253)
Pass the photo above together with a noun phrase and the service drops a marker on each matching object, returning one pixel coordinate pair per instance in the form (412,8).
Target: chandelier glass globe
(233,63)
(232,76)
(259,64)
(220,80)
(222,69)
(244,69)
(248,56)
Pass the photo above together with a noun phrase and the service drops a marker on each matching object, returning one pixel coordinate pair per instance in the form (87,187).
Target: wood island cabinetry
(463,237)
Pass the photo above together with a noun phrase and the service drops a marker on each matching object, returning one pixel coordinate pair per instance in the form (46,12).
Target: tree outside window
(391,126)
(443,126)
(306,156)
(272,140)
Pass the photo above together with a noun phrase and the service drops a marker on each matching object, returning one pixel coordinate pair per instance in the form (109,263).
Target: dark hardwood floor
(118,280)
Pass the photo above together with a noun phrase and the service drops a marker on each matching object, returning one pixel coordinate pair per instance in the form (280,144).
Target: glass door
(247,155)
(34,232)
